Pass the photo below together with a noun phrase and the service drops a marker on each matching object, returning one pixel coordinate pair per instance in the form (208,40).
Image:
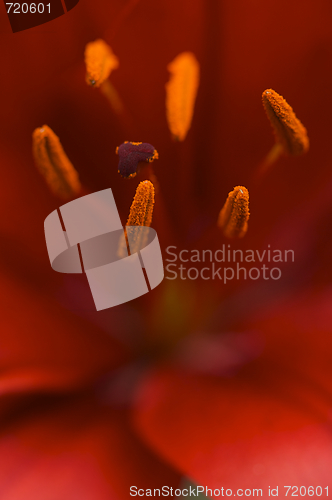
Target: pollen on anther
(141,209)
(233,217)
(181,91)
(131,154)
(288,129)
(140,214)
(100,61)
(53,163)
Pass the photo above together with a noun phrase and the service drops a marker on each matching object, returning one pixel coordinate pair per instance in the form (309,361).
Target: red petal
(45,347)
(75,450)
(267,425)
(236,433)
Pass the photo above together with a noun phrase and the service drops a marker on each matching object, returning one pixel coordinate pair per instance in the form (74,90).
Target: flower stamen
(141,209)
(233,217)
(288,129)
(100,61)
(53,163)
(140,214)
(181,91)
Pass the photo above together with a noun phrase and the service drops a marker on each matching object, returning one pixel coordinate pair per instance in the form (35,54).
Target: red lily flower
(227,385)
